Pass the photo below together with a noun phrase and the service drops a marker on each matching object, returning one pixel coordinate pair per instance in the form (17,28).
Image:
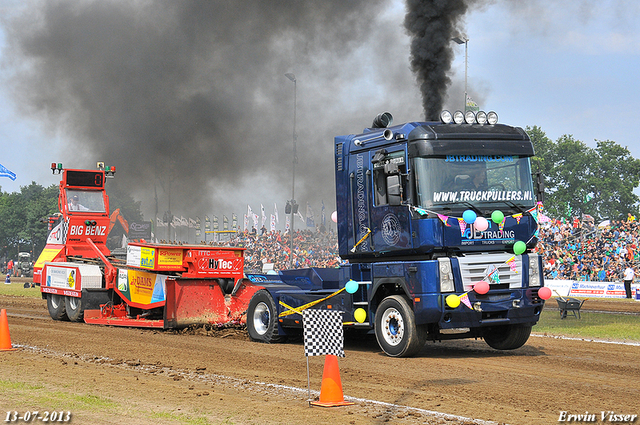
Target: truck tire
(75,308)
(56,306)
(508,337)
(396,329)
(262,318)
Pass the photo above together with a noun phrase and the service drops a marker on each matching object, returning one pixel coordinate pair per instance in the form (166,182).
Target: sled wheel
(75,309)
(56,306)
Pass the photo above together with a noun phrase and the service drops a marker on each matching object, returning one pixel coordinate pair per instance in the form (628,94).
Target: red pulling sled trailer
(156,285)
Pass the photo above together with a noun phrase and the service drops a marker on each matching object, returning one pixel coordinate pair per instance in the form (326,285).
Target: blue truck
(438,223)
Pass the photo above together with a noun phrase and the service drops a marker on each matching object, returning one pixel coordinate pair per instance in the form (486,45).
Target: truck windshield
(488,181)
(85,200)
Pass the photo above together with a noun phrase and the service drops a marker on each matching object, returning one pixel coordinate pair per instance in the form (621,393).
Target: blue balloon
(469,216)
(351,286)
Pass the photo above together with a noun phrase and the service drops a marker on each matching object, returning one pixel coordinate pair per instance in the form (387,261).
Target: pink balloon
(334,216)
(481,224)
(481,287)
(544,293)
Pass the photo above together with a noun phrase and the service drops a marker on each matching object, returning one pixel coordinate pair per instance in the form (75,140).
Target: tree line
(581,180)
(24,216)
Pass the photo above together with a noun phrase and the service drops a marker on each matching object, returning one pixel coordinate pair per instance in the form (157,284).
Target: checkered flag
(322,332)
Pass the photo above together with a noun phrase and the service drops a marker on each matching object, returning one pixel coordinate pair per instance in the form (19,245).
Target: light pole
(292,78)
(464,41)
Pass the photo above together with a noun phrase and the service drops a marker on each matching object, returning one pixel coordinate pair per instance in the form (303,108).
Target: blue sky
(567,67)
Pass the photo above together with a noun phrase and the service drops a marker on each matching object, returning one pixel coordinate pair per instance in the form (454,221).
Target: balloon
(544,293)
(453,300)
(497,216)
(481,224)
(481,287)
(351,286)
(334,216)
(469,216)
(519,247)
(360,315)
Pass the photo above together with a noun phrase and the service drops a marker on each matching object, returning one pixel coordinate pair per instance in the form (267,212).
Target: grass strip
(590,325)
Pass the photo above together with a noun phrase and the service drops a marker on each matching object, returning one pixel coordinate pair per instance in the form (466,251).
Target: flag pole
(308,384)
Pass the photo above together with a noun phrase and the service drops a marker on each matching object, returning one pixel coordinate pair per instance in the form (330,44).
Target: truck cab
(438,221)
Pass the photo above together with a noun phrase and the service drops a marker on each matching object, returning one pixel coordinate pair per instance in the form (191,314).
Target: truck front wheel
(508,337)
(262,318)
(75,309)
(56,306)
(396,329)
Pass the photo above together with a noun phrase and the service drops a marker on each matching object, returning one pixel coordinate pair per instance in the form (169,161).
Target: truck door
(390,217)
(360,199)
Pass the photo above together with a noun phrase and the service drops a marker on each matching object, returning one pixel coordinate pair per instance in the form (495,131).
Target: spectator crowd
(579,250)
(574,250)
(310,249)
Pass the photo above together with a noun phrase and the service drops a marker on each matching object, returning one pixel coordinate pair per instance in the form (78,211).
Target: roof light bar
(469,117)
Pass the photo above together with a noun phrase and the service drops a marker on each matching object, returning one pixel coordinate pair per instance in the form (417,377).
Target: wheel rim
(54,301)
(261,318)
(73,303)
(393,326)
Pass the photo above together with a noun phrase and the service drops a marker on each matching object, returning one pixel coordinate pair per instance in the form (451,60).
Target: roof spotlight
(492,118)
(458,117)
(446,117)
(481,117)
(469,117)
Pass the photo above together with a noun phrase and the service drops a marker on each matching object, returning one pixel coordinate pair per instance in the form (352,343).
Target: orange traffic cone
(331,389)
(5,339)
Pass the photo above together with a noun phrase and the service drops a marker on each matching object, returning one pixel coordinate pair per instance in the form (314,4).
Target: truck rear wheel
(396,329)
(56,306)
(508,337)
(262,318)
(75,308)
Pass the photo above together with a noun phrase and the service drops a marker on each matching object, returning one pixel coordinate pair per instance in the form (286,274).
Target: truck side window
(389,179)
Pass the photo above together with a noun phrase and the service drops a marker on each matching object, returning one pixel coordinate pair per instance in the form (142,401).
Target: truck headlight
(446,275)
(534,270)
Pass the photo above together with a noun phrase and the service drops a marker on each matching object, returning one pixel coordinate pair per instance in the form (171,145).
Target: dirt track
(148,377)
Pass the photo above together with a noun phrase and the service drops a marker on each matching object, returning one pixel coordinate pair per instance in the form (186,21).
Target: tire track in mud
(377,409)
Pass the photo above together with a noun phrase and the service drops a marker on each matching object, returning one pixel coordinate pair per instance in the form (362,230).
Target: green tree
(581,180)
(544,149)
(21,217)
(615,175)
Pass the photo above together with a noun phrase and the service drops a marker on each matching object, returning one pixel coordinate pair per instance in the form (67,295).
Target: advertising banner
(142,288)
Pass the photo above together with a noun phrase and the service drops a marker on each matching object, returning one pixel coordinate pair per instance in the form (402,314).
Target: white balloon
(481,224)
(334,216)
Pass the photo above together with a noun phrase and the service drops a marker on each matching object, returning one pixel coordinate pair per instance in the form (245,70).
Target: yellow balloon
(453,300)
(360,314)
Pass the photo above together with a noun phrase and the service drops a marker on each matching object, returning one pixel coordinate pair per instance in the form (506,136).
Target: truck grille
(475,267)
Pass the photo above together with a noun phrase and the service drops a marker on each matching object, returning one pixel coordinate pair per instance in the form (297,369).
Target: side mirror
(539,187)
(394,190)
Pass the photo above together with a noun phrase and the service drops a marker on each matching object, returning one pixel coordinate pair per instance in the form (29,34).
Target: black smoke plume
(190,96)
(188,99)
(432,24)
